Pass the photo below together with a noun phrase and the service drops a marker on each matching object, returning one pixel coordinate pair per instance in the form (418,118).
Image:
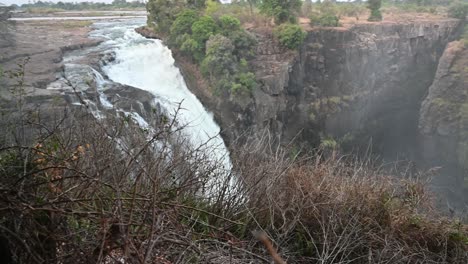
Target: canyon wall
(361,86)
(443,121)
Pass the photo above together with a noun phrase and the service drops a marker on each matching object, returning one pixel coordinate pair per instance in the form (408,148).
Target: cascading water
(149,65)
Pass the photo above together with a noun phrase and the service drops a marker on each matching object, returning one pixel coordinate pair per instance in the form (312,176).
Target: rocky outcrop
(39,46)
(443,122)
(5,12)
(366,84)
(147,32)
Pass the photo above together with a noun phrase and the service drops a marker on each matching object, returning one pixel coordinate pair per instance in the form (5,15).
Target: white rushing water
(149,65)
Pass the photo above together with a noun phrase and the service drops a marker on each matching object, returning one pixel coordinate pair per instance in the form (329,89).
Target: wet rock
(147,32)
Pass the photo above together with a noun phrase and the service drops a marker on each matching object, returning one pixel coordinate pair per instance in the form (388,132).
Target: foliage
(328,14)
(281,10)
(464,36)
(458,10)
(212,6)
(243,42)
(290,35)
(161,13)
(324,19)
(244,84)
(219,60)
(203,28)
(224,68)
(350,9)
(218,45)
(183,24)
(374,6)
(229,24)
(191,47)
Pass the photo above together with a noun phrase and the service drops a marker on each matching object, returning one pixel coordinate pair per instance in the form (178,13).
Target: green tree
(219,62)
(203,28)
(183,25)
(192,48)
(374,6)
(458,10)
(229,24)
(242,40)
(162,13)
(281,10)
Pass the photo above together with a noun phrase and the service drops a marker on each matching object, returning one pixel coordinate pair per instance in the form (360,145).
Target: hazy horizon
(20,2)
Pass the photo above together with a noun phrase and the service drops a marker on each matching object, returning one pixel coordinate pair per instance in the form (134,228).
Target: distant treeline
(421,2)
(83,5)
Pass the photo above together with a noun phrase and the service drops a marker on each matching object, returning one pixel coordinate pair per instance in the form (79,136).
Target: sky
(20,2)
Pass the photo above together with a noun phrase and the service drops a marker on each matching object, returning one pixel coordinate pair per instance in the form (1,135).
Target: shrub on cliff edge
(183,24)
(374,6)
(281,10)
(289,35)
(458,10)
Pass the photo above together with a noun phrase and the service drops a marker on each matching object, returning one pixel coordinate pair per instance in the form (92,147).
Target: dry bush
(246,16)
(79,189)
(342,210)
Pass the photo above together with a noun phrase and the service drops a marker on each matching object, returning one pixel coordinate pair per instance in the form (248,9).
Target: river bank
(41,44)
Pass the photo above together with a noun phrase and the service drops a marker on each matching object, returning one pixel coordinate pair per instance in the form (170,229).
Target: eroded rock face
(443,122)
(366,84)
(363,85)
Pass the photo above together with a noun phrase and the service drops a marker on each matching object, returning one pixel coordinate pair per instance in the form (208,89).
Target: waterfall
(149,65)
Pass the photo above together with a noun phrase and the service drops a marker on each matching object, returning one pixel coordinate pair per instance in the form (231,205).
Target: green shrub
(327,15)
(464,37)
(243,42)
(212,7)
(325,20)
(183,23)
(229,24)
(161,14)
(281,10)
(219,59)
(244,84)
(203,28)
(458,10)
(191,47)
(290,35)
(374,6)
(350,9)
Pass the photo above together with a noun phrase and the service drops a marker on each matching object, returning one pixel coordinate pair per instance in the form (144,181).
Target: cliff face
(363,85)
(443,122)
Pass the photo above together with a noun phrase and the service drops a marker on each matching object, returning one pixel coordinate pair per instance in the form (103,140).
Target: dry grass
(342,210)
(76,24)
